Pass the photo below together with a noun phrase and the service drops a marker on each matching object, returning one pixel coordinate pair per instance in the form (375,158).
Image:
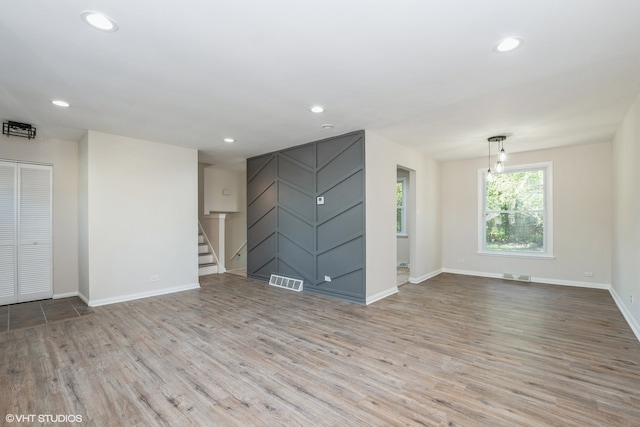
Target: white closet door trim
(8,254)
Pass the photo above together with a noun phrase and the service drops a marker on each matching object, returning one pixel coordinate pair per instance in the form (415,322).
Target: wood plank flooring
(452,351)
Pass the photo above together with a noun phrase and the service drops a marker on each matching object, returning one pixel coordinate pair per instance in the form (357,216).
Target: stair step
(205,269)
(200,238)
(205,258)
(203,249)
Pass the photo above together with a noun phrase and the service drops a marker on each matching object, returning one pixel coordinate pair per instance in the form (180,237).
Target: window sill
(528,255)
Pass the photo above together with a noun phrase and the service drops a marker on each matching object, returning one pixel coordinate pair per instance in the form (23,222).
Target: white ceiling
(422,73)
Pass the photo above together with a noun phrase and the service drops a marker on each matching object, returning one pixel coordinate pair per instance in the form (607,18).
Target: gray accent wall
(289,234)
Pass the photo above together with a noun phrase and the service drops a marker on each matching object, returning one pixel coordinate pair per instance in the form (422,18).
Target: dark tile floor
(28,314)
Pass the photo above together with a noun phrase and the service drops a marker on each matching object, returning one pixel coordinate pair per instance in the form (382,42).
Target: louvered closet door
(8,255)
(35,278)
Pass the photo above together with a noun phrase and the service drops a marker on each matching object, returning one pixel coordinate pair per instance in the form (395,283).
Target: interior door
(35,276)
(8,255)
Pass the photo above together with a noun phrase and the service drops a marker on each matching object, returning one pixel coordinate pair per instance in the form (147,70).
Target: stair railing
(237,252)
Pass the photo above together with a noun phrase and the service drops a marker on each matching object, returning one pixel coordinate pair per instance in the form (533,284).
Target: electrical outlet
(155,278)
(588,274)
(327,278)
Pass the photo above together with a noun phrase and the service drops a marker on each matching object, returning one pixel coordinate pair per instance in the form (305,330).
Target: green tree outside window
(515,211)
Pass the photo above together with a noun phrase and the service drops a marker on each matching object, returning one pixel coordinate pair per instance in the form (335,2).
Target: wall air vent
(518,277)
(18,129)
(286,283)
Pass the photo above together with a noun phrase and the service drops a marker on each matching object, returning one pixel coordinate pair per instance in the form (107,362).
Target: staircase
(206,258)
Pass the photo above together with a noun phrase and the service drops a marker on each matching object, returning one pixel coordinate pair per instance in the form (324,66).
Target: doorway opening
(403,229)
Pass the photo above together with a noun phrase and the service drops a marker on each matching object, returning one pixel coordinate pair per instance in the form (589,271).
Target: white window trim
(547,168)
(403,232)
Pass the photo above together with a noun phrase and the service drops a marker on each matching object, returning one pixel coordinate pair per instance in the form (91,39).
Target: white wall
(222,190)
(626,230)
(236,231)
(382,158)
(63,155)
(582,217)
(201,167)
(425,219)
(142,200)
(83,217)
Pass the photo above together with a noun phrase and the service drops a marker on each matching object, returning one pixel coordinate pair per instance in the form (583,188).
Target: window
(401,200)
(515,217)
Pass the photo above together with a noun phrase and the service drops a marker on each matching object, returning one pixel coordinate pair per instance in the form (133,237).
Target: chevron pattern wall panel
(340,220)
(261,216)
(290,234)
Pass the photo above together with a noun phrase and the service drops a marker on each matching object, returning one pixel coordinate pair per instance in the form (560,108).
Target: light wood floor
(451,351)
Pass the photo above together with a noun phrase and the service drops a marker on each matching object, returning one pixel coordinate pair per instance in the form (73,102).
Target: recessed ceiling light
(508,44)
(60,103)
(99,21)
(229,140)
(327,126)
(316,109)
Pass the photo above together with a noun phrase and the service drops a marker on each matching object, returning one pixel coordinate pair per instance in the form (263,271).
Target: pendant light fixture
(502,155)
(489,174)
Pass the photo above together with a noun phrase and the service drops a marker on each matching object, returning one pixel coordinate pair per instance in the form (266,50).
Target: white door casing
(8,221)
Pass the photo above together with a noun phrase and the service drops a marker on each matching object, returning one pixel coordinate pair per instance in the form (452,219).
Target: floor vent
(518,277)
(286,282)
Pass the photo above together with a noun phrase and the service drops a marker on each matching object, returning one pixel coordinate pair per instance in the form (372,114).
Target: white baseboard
(130,297)
(633,323)
(605,286)
(416,280)
(65,295)
(381,295)
(534,279)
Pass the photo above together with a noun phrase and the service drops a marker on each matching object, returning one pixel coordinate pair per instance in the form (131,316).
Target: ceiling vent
(18,129)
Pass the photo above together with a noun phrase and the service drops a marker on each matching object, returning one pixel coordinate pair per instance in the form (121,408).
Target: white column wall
(382,158)
(626,219)
(141,226)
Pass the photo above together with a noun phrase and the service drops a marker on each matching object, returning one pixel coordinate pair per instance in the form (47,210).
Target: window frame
(547,224)
(403,216)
